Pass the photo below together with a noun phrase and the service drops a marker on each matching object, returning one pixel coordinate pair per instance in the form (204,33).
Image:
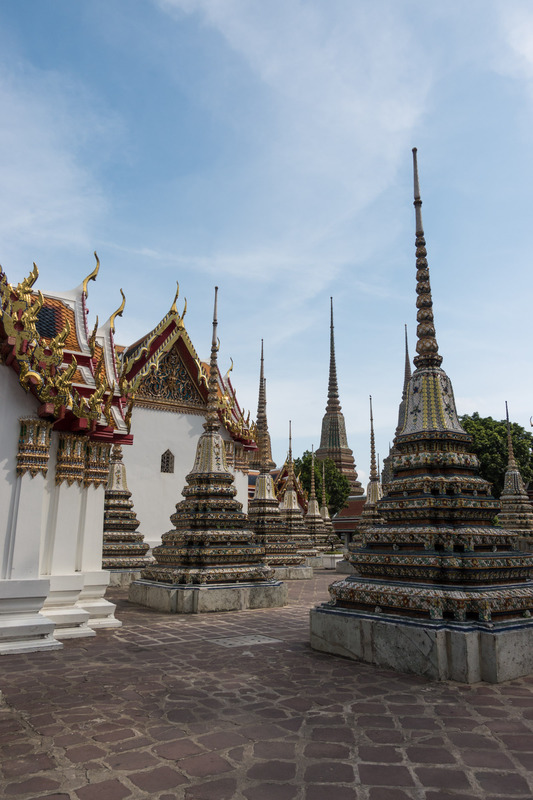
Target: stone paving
(162,708)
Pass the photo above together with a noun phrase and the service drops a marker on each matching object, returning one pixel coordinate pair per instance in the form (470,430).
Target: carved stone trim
(33,447)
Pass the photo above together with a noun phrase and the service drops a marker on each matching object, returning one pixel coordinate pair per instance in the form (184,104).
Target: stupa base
(440,650)
(292,573)
(200,599)
(325,560)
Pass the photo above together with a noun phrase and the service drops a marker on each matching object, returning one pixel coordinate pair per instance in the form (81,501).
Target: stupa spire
(333,440)
(426,346)
(211,418)
(333,386)
(374,475)
(263,436)
(511,463)
(312,495)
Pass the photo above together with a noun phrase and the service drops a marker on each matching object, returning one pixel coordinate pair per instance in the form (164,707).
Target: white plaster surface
(181,599)
(438,652)
(292,573)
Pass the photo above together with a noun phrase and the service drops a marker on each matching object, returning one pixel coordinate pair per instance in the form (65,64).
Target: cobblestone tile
(157,709)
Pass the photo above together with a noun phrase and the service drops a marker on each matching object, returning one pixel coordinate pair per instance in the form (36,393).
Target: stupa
(324,512)
(386,475)
(333,440)
(124,548)
(516,511)
(292,513)
(264,515)
(313,518)
(441,592)
(263,436)
(374,491)
(210,561)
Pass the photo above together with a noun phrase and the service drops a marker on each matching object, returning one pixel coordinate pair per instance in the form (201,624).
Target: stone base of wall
(185,599)
(467,653)
(23,629)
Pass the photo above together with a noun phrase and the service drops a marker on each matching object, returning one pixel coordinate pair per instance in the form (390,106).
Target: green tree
(337,486)
(489,443)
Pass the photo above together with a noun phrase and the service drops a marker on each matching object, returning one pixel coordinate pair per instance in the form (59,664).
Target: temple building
(210,561)
(63,403)
(440,590)
(333,440)
(516,511)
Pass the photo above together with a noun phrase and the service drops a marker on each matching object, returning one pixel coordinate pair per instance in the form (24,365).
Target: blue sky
(266,147)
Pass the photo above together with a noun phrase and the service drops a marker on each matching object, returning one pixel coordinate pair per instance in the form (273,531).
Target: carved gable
(171,386)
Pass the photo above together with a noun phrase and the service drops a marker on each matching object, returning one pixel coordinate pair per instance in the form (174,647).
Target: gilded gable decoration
(170,385)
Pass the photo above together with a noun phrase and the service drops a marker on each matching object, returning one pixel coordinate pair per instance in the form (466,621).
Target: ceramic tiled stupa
(374,492)
(386,475)
(292,513)
(313,518)
(440,591)
(210,561)
(264,515)
(263,436)
(324,510)
(333,440)
(124,548)
(517,512)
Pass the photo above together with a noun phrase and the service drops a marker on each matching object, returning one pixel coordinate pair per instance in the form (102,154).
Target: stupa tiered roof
(124,547)
(211,542)
(438,555)
(333,440)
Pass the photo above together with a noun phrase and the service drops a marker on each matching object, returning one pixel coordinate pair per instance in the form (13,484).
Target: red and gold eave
(83,380)
(44,338)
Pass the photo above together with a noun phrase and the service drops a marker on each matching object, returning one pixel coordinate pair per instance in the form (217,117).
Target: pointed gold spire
(211,418)
(426,346)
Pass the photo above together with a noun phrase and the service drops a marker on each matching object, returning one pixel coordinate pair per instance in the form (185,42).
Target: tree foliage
(489,443)
(337,486)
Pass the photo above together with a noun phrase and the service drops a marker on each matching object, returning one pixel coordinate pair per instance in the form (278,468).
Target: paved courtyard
(166,707)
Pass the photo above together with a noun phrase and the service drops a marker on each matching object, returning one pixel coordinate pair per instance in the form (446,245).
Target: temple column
(96,579)
(63,541)
(22,592)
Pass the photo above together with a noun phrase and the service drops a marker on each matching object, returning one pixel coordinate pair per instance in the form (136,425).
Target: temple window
(167,461)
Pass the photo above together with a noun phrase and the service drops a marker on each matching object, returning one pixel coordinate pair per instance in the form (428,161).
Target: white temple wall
(22,592)
(155,493)
(16,518)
